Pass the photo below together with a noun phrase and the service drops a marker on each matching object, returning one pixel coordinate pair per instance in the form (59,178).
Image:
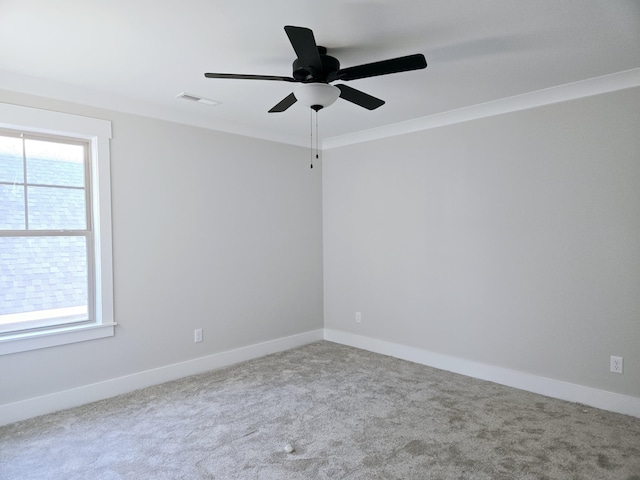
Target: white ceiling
(137,55)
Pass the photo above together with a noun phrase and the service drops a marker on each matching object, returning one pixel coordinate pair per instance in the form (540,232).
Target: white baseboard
(571,392)
(32,407)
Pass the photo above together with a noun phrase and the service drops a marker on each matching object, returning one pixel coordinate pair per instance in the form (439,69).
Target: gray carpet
(347,413)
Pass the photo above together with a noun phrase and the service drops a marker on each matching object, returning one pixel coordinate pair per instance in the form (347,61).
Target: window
(55,235)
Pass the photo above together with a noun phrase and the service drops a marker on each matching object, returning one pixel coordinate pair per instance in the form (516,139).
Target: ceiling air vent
(195,98)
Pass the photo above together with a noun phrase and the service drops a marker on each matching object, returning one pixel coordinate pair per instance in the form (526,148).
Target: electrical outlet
(358,317)
(615,364)
(197,335)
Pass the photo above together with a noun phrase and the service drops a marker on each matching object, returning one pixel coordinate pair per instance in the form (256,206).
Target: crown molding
(93,98)
(562,93)
(90,97)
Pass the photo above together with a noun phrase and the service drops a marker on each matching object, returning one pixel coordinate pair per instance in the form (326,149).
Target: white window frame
(98,132)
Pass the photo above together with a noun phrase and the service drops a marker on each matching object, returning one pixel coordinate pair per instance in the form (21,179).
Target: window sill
(22,342)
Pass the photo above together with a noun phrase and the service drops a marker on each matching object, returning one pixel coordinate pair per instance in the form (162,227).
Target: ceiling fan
(315,70)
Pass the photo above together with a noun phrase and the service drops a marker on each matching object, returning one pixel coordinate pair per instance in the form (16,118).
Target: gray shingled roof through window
(46,272)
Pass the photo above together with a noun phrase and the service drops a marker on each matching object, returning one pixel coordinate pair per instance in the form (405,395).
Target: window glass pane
(51,163)
(43,275)
(11,168)
(11,207)
(53,208)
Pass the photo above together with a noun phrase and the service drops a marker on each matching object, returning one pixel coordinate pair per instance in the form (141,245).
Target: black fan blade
(394,65)
(359,98)
(239,76)
(285,103)
(304,44)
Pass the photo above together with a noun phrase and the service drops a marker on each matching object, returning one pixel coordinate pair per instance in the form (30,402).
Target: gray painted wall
(511,241)
(210,230)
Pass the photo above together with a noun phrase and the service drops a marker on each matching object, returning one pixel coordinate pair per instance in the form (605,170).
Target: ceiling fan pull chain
(311,131)
(317,138)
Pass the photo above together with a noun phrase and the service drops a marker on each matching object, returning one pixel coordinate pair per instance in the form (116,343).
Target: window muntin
(46,238)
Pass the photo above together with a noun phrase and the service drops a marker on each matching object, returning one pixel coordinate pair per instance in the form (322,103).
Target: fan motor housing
(306,73)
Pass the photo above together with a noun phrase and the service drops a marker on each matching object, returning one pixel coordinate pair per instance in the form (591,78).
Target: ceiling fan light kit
(316,95)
